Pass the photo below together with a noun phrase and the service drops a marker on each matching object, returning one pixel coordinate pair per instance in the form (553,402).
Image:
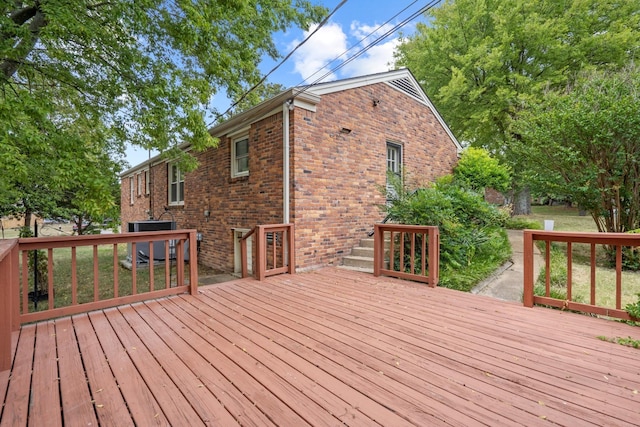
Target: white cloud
(325,45)
(331,41)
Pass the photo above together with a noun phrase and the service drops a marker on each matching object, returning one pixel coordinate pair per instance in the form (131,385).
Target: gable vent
(406,85)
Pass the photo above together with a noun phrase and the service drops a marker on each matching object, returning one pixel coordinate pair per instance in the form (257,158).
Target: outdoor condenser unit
(142,248)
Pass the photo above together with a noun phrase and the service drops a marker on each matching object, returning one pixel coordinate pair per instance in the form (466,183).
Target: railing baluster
(25,282)
(593,274)
(96,275)
(569,270)
(179,248)
(134,264)
(115,270)
(151,267)
(74,277)
(424,255)
(547,278)
(618,277)
(49,278)
(167,265)
(412,258)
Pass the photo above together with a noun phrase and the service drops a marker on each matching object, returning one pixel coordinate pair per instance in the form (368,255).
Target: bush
(521,224)
(472,241)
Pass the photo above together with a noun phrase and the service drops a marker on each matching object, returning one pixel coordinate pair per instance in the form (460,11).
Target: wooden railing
(408,252)
(75,280)
(274,250)
(614,241)
(8,293)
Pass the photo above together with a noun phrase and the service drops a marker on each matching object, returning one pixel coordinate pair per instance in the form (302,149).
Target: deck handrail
(267,262)
(425,269)
(172,238)
(614,240)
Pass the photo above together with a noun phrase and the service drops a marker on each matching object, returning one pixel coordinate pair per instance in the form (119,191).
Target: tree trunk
(27,219)
(522,202)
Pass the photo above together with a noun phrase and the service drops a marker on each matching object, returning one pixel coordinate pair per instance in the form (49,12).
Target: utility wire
(425,8)
(255,86)
(360,41)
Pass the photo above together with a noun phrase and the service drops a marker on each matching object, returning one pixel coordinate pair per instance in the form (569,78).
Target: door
(394,166)
(237,258)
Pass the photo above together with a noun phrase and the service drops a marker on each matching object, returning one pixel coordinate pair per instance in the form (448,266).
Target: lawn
(569,219)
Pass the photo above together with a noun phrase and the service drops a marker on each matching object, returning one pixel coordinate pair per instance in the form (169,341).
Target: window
(139,177)
(131,187)
(240,156)
(394,165)
(146,182)
(176,185)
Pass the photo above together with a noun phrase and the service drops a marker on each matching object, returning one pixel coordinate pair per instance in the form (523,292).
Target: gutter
(285,160)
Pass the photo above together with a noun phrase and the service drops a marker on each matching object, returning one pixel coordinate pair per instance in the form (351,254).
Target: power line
(425,8)
(360,41)
(255,86)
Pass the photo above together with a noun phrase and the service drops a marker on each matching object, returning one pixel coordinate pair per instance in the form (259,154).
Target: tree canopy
(585,142)
(482,61)
(81,77)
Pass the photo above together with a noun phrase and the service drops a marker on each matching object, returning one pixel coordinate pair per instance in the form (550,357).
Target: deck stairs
(361,257)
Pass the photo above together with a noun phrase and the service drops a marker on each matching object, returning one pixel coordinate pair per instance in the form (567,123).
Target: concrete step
(360,269)
(366,243)
(362,251)
(358,261)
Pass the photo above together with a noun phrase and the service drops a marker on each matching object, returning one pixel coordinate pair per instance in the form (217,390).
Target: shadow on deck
(322,348)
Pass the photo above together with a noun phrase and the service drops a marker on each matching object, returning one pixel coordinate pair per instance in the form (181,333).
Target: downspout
(285,161)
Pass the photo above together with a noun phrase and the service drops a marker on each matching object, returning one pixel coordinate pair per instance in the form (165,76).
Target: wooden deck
(327,348)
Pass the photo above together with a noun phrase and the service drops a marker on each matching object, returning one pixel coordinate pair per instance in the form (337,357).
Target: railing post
(261,252)
(193,262)
(528,268)
(7,282)
(434,256)
(378,243)
(15,288)
(292,251)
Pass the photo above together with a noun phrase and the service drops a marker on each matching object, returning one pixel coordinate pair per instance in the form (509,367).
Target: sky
(353,26)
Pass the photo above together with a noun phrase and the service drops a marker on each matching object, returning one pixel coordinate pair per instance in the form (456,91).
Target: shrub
(472,241)
(521,224)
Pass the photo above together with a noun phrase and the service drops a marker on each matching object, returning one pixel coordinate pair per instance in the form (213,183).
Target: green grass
(565,219)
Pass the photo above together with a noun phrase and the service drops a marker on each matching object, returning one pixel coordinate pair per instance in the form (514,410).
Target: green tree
(480,61)
(477,170)
(585,142)
(141,72)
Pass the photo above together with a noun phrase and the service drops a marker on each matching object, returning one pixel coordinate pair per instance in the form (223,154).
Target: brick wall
(335,176)
(338,175)
(139,209)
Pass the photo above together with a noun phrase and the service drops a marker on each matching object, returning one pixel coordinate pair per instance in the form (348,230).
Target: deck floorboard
(325,348)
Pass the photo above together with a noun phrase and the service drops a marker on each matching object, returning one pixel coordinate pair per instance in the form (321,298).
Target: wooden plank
(16,403)
(106,396)
(45,388)
(550,388)
(193,351)
(409,402)
(77,406)
(333,395)
(178,404)
(261,387)
(142,405)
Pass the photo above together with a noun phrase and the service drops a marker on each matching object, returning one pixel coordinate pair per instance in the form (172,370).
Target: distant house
(315,156)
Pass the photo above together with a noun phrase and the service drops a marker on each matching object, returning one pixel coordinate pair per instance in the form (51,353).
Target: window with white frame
(176,185)
(240,156)
(146,182)
(132,190)
(139,177)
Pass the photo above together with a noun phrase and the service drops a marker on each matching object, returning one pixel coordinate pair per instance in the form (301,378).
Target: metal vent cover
(405,85)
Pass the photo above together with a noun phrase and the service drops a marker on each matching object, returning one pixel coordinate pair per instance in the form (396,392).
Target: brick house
(316,157)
